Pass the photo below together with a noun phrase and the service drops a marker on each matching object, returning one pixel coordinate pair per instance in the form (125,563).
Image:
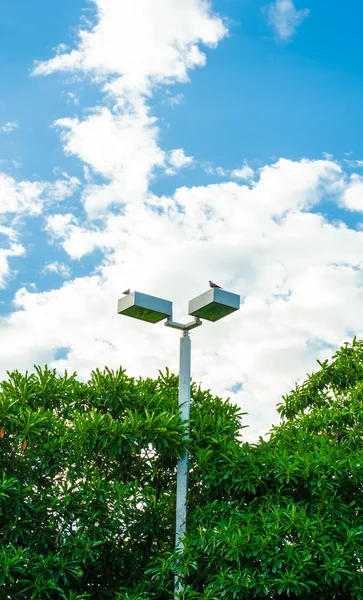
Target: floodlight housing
(144,307)
(214,304)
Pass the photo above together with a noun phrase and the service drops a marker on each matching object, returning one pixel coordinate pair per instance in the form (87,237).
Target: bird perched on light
(126,292)
(214,285)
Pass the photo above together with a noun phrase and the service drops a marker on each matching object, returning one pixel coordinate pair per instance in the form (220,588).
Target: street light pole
(213,305)
(182,466)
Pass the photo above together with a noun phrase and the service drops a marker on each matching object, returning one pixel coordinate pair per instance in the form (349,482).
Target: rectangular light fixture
(144,307)
(214,305)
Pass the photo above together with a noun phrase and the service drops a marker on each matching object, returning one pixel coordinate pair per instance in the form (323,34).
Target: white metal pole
(182,467)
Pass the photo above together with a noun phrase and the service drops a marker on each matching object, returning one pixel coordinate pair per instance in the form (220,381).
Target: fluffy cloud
(244,173)
(29,197)
(142,42)
(9,126)
(72,98)
(352,198)
(20,197)
(119,145)
(112,143)
(178,160)
(6,253)
(152,43)
(59,268)
(285,18)
(19,200)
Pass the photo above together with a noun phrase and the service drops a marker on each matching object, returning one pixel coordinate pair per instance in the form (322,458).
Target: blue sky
(239,121)
(264,98)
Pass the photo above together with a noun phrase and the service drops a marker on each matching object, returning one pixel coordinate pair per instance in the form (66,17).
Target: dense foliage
(87,489)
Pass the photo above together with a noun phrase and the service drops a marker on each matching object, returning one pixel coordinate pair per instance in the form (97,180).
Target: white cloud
(126,154)
(10,247)
(29,197)
(5,254)
(9,232)
(72,98)
(20,197)
(174,100)
(212,170)
(352,198)
(9,126)
(58,224)
(20,200)
(61,48)
(302,183)
(62,188)
(178,160)
(245,173)
(76,240)
(121,146)
(126,151)
(285,18)
(142,42)
(353,163)
(126,142)
(58,268)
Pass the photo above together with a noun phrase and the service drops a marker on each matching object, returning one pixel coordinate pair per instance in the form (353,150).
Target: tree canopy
(87,489)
